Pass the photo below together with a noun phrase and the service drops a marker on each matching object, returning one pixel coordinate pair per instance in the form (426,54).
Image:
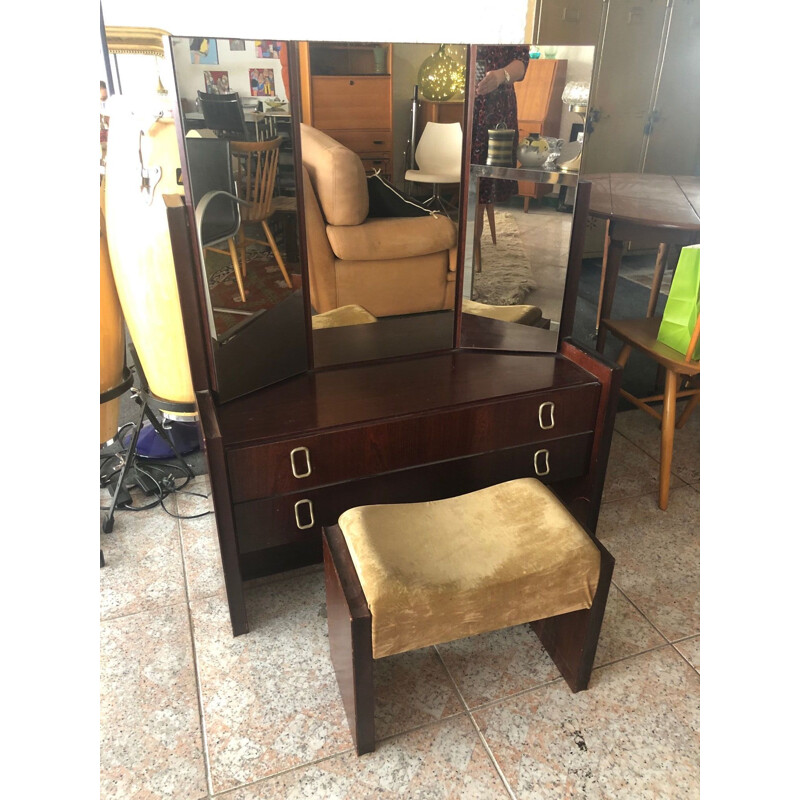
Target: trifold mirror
(317,246)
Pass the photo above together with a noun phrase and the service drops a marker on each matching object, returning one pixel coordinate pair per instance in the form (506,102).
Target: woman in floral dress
(498,68)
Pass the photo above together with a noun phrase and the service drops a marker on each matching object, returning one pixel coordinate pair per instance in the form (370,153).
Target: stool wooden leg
(571,639)
(658,277)
(350,639)
(667,437)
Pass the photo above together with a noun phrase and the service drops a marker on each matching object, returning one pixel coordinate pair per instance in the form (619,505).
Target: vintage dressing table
(301,424)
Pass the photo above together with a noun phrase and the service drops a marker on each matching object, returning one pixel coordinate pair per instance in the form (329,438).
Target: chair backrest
(223,113)
(439,148)
(210,170)
(255,167)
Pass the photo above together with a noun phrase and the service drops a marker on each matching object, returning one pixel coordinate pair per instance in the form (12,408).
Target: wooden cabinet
(294,456)
(347,93)
(539,109)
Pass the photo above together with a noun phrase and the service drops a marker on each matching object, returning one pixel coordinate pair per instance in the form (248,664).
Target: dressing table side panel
(214,448)
(583,495)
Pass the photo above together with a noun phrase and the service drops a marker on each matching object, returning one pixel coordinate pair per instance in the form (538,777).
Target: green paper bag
(683,303)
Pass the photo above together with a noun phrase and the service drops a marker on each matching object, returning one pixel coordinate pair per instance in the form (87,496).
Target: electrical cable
(159,478)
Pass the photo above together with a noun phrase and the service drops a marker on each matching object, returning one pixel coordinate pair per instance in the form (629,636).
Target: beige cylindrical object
(142,165)
(112,338)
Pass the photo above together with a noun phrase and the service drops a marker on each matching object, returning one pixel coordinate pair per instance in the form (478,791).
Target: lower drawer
(297,517)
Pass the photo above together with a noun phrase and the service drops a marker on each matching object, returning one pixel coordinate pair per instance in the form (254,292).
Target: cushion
(399,237)
(341,317)
(338,177)
(443,570)
(386,200)
(521,314)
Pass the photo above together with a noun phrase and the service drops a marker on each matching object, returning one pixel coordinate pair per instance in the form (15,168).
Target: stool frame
(570,639)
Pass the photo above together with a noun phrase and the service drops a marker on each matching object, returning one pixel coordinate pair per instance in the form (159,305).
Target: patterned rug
(264,285)
(505,277)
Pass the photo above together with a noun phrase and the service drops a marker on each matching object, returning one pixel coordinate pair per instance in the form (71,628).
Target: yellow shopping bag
(683,303)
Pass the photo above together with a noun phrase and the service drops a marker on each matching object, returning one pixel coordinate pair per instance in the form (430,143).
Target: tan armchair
(388,266)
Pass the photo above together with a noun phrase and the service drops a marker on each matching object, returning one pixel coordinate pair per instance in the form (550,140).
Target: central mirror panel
(381,195)
(530,107)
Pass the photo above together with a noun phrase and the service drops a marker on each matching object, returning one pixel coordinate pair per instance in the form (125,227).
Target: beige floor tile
(631,472)
(625,631)
(498,664)
(657,557)
(150,742)
(690,650)
(634,734)
(445,760)
(204,576)
(644,431)
(144,568)
(270,697)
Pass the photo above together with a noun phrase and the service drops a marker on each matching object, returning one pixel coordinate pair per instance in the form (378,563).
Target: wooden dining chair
(642,335)
(255,168)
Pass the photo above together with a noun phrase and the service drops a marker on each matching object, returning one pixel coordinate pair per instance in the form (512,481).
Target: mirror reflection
(527,135)
(234,99)
(382,135)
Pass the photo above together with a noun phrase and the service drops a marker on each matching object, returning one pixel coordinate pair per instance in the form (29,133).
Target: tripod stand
(143,397)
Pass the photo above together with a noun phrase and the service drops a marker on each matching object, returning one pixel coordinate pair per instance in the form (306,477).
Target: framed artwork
(266,48)
(262,83)
(203,51)
(236,44)
(217,81)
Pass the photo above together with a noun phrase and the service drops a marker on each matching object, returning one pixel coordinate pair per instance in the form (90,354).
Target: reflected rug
(505,277)
(264,286)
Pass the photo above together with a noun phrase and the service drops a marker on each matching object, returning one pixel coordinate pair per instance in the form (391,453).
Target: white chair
(438,156)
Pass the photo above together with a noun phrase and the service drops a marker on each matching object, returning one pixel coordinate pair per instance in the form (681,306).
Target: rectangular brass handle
(295,471)
(540,470)
(551,407)
(297,506)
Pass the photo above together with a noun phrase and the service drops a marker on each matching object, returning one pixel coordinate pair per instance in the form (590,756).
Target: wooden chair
(642,334)
(255,167)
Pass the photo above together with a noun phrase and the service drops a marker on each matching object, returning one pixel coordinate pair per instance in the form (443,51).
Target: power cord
(154,478)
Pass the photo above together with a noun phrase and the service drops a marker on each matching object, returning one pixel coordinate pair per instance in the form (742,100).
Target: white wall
(236,62)
(347,20)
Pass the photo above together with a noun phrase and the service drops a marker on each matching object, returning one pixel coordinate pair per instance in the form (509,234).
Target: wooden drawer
(296,518)
(299,464)
(364,142)
(342,103)
(382,164)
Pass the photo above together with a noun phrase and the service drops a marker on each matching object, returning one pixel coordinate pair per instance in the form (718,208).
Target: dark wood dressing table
(484,404)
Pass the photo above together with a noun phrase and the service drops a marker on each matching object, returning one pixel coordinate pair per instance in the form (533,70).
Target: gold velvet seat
(405,576)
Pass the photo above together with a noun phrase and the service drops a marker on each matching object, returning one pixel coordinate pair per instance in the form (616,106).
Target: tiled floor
(189,712)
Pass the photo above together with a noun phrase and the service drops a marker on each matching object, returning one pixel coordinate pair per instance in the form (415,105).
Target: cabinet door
(352,103)
(622,93)
(673,146)
(569,22)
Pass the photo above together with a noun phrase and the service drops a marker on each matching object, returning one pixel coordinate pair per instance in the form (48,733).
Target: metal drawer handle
(552,408)
(536,468)
(310,514)
(307,455)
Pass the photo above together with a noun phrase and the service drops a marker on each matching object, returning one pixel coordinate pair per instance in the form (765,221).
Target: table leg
(606,242)
(609,287)
(658,277)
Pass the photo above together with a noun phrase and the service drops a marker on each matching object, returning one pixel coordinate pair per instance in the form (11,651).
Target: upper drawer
(362,142)
(297,464)
(342,103)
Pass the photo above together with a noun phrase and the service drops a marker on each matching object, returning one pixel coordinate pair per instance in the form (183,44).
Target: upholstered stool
(405,576)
